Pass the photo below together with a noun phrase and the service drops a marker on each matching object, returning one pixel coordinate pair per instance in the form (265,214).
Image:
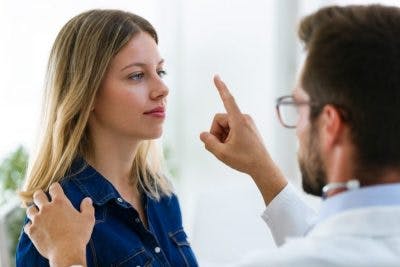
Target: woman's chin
(153,136)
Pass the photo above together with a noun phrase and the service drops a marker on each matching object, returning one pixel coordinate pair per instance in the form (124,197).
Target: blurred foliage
(14,222)
(171,163)
(12,173)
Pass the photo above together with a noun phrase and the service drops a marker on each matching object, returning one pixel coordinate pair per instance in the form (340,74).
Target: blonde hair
(78,61)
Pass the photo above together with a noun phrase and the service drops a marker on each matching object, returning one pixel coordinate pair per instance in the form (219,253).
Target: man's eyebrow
(140,64)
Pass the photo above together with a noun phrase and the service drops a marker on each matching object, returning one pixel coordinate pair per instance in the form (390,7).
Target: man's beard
(311,166)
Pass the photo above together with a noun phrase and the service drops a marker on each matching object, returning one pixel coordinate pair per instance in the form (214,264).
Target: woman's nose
(159,89)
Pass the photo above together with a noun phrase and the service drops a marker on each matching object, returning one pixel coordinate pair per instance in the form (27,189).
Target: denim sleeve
(27,255)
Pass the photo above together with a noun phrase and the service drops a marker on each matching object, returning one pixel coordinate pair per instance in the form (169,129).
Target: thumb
(87,206)
(211,143)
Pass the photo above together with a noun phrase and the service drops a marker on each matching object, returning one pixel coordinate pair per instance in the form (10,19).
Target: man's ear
(332,127)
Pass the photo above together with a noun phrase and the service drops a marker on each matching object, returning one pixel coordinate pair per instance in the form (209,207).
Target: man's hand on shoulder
(60,232)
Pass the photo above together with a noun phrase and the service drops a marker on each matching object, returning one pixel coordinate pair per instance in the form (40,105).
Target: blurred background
(251,44)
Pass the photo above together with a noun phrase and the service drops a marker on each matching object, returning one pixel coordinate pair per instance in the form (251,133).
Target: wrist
(68,257)
(269,181)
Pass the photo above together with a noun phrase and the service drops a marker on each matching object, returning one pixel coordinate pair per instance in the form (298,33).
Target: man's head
(352,71)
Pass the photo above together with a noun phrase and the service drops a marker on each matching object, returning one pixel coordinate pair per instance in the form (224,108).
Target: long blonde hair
(78,61)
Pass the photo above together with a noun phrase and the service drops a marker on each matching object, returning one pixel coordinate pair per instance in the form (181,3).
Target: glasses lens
(289,115)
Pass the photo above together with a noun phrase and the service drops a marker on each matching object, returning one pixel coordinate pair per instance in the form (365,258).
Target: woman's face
(131,101)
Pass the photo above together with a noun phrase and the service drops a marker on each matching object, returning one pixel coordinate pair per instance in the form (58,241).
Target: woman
(105,104)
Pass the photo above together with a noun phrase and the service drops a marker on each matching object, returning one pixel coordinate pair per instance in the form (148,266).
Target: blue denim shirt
(119,237)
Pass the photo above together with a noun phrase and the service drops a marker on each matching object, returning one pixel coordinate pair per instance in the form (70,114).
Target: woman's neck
(113,158)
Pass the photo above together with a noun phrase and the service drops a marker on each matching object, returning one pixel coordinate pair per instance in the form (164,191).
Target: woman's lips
(158,112)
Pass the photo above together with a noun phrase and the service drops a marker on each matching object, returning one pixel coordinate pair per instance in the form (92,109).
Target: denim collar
(93,184)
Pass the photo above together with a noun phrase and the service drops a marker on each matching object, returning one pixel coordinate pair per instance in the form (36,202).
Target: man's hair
(353,63)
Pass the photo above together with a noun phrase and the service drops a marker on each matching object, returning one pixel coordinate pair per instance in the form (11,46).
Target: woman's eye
(137,76)
(162,73)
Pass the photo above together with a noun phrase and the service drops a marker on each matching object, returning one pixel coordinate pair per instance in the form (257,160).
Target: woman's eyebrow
(140,64)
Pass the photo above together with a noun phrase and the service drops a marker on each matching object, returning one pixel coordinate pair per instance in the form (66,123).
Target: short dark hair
(353,63)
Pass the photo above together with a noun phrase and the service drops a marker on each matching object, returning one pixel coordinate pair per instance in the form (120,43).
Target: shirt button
(157,250)
(120,200)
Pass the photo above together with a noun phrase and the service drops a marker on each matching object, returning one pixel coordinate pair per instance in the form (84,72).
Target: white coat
(367,236)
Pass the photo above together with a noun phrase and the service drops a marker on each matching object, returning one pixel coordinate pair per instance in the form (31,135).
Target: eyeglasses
(287,109)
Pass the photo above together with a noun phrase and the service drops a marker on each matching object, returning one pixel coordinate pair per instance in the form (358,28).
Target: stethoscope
(349,185)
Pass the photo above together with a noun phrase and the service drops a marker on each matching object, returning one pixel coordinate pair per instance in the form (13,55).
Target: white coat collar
(369,221)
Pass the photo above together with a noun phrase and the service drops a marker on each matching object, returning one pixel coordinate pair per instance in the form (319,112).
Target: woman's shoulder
(76,182)
(72,189)
(167,201)
(167,207)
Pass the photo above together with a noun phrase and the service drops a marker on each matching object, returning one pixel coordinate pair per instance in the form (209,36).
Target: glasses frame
(289,100)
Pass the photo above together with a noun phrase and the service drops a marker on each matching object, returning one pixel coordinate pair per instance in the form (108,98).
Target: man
(345,111)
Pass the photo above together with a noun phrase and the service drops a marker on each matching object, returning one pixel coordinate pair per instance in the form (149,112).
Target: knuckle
(207,146)
(26,228)
(44,208)
(53,187)
(31,230)
(229,97)
(212,149)
(216,117)
(37,193)
(31,210)
(90,217)
(56,200)
(247,119)
(33,218)
(221,155)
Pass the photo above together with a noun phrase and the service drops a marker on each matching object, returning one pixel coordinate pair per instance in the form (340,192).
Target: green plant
(12,174)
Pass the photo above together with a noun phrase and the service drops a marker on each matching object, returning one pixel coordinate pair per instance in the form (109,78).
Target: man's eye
(136,76)
(162,73)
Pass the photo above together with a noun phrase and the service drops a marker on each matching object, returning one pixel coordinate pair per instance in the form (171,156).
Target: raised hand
(235,140)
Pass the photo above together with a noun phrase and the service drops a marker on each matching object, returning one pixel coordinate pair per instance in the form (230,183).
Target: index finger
(227,98)
(40,198)
(55,190)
